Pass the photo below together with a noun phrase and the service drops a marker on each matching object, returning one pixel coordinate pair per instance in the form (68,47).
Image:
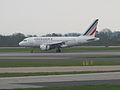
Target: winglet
(92,29)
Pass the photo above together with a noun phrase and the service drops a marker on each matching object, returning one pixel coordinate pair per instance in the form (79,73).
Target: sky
(57,16)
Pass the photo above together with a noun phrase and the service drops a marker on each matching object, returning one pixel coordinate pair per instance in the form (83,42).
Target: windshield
(24,40)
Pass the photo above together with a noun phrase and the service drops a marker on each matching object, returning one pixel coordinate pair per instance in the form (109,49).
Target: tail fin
(92,29)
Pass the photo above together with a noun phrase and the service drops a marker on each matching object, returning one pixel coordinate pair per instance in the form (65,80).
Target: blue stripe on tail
(90,28)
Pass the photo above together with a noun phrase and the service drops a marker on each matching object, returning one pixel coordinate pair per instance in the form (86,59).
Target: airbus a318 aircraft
(48,43)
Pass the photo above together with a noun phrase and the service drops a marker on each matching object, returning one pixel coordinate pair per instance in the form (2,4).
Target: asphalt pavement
(80,59)
(72,54)
(60,80)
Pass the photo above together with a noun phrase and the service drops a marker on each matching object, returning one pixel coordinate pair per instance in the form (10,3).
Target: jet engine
(45,47)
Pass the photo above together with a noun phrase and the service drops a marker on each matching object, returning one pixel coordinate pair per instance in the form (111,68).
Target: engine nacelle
(63,46)
(45,47)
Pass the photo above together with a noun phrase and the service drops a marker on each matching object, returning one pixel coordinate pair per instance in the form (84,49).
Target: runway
(79,56)
(75,54)
(59,80)
(80,59)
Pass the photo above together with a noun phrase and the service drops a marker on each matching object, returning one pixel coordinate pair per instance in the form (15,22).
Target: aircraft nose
(21,44)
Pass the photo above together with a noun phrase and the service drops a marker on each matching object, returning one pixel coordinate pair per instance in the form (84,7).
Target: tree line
(107,38)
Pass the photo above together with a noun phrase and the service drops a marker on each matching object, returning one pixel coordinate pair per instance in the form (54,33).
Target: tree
(11,40)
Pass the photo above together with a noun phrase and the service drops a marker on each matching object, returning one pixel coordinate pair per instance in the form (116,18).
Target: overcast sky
(59,16)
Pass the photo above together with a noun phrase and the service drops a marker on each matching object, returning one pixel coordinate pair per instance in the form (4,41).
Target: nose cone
(21,44)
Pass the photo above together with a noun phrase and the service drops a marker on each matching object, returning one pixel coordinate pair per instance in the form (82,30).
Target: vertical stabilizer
(92,29)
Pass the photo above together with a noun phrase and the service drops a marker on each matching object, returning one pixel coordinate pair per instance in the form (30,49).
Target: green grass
(55,63)
(38,63)
(77,87)
(50,73)
(72,49)
(78,49)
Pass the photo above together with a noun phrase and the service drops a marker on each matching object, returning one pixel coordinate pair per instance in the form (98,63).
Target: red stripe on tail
(93,32)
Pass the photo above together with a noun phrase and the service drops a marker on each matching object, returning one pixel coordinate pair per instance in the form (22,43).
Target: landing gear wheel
(58,50)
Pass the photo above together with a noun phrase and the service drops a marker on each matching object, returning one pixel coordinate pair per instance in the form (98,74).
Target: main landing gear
(58,50)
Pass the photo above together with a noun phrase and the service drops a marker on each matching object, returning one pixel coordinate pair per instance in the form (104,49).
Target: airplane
(48,43)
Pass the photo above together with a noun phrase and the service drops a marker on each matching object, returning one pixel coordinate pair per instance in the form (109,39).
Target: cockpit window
(24,40)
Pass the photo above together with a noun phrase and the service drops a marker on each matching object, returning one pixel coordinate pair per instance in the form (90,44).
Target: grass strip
(76,87)
(56,63)
(50,73)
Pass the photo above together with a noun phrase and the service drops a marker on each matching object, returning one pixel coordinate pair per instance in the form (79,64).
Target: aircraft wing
(56,44)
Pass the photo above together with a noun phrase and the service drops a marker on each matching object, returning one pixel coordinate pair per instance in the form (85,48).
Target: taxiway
(74,54)
(59,80)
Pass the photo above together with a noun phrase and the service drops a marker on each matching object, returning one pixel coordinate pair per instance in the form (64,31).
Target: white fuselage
(68,41)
